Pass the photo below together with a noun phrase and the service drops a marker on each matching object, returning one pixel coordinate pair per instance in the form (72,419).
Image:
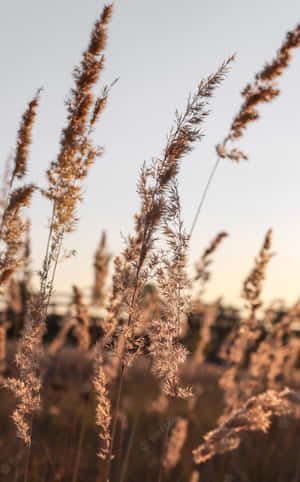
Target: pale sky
(160,50)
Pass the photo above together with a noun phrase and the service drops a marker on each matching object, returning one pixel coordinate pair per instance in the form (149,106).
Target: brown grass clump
(195,476)
(68,322)
(274,364)
(166,351)
(12,231)
(101,265)
(203,274)
(235,382)
(13,201)
(255,415)
(26,259)
(4,326)
(209,316)
(14,297)
(82,319)
(175,443)
(253,284)
(24,139)
(103,407)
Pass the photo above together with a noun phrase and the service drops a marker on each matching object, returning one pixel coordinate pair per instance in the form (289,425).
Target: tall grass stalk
(65,176)
(139,260)
(263,89)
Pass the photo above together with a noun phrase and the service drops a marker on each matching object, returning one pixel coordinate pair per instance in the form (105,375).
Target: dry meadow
(140,379)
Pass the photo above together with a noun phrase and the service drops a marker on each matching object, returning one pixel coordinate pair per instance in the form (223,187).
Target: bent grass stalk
(263,89)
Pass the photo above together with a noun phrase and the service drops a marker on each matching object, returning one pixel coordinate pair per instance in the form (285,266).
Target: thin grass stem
(203,197)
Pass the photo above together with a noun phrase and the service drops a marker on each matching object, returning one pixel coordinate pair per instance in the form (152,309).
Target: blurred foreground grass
(68,415)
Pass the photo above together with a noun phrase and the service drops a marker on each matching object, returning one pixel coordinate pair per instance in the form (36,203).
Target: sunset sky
(160,50)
